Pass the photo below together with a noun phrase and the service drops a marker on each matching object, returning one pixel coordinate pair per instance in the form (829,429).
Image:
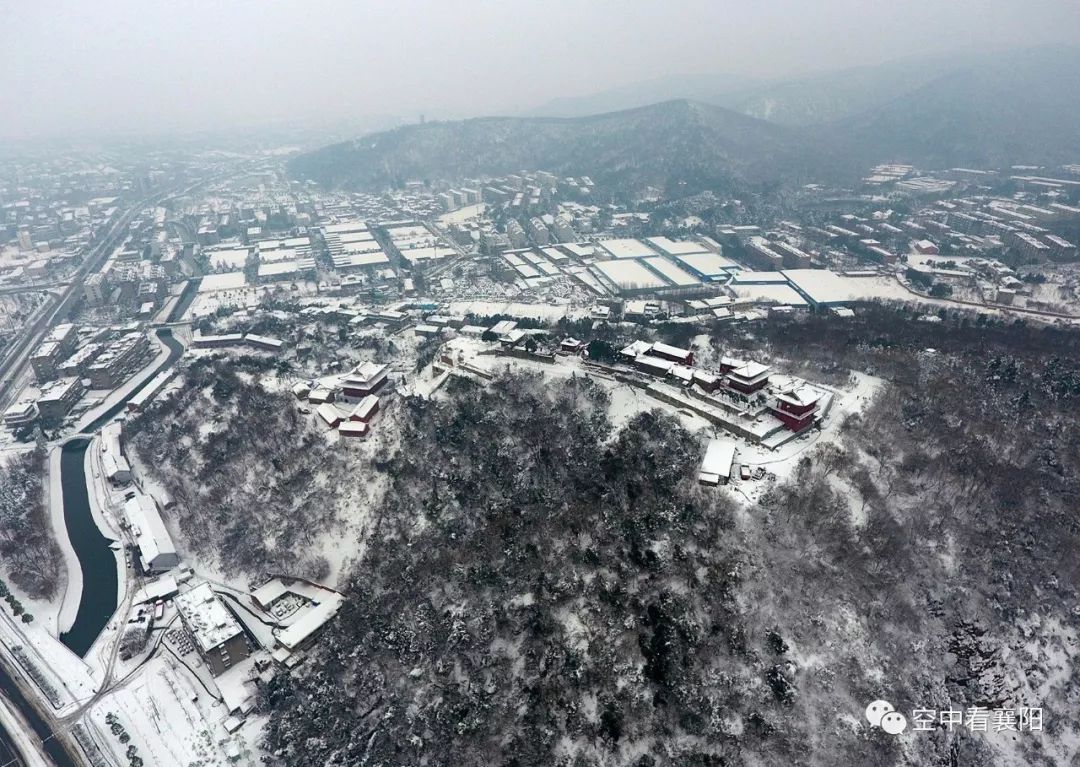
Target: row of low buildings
(224,340)
(749,385)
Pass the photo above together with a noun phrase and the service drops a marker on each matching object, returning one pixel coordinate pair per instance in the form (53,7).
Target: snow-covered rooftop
(207,617)
(270,591)
(155,543)
(227,281)
(719,456)
(750,371)
(630,274)
(626,248)
(676,247)
(822,286)
(309,622)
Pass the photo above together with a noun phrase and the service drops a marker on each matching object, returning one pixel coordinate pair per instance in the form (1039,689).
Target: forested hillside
(1022,107)
(667,144)
(255,485)
(28,550)
(547,592)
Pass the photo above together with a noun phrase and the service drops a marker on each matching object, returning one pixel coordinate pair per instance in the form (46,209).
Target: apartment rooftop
(207,617)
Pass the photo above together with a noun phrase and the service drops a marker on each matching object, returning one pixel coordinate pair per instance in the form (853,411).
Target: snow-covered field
(171,720)
(461,215)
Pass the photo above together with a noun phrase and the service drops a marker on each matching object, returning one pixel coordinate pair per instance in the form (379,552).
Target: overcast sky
(93,66)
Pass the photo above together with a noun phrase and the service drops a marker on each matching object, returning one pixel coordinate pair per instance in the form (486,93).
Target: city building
(79,362)
(44,360)
(119,359)
(21,415)
(761,254)
(516,234)
(1060,248)
(57,345)
(218,636)
(57,398)
(539,232)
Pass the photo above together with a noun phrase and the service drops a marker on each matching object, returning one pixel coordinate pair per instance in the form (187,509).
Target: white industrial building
(156,547)
(150,390)
(113,463)
(293,636)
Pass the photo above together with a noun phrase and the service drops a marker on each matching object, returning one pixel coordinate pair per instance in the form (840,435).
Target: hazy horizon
(116,67)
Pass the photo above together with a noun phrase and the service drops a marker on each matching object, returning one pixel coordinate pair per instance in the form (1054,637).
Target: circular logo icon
(894,723)
(876,710)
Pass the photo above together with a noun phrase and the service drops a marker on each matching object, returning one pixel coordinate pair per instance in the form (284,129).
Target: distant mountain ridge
(676,141)
(1019,107)
(701,87)
(796,101)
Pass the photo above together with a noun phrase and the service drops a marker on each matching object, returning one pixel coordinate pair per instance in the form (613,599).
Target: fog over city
(119,66)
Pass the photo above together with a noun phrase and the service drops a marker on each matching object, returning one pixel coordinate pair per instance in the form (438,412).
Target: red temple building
(797,407)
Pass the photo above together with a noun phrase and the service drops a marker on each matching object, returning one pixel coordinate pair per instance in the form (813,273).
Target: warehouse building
(113,463)
(822,288)
(156,549)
